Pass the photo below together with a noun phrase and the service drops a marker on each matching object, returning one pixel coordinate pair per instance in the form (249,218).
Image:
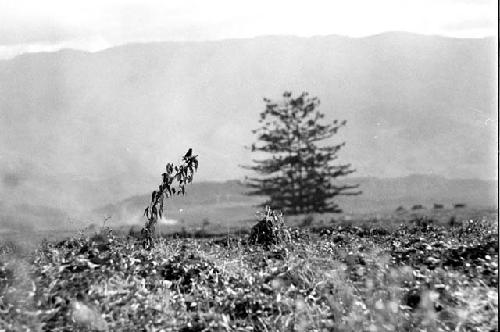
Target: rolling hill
(81,129)
(226,203)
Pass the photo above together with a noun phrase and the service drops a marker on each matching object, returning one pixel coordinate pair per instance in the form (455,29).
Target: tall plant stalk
(173,183)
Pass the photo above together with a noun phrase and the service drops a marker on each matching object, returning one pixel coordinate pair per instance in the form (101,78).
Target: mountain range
(80,130)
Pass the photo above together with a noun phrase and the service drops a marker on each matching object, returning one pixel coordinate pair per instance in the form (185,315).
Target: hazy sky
(33,25)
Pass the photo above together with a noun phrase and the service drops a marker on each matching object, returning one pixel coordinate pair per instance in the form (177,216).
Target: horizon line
(58,49)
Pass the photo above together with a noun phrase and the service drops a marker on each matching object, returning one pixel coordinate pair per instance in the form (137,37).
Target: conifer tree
(297,172)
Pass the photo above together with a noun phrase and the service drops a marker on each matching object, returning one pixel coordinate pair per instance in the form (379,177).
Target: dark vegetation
(373,276)
(270,230)
(182,174)
(298,173)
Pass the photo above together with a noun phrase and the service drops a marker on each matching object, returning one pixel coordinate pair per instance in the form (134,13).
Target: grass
(376,277)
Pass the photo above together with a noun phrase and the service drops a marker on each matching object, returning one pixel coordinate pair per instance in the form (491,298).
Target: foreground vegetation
(413,277)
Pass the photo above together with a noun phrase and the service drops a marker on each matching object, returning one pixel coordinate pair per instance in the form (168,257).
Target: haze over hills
(80,130)
(225,203)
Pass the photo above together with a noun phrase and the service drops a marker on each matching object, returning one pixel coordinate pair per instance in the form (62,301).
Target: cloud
(479,23)
(29,25)
(14,33)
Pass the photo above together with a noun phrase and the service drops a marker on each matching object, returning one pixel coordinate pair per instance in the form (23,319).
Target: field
(423,274)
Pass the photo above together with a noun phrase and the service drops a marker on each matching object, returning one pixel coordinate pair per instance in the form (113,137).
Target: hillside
(226,203)
(81,130)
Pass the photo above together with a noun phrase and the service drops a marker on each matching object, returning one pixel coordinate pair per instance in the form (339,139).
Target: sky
(93,25)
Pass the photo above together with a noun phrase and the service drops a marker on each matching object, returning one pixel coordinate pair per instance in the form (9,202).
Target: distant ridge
(259,37)
(226,200)
(81,129)
(226,203)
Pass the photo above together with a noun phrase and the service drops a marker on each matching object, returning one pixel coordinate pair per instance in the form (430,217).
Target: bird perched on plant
(188,154)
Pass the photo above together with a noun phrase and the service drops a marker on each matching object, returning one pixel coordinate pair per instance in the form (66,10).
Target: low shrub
(270,230)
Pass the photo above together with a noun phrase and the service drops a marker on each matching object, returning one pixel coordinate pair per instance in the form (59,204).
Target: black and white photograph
(260,166)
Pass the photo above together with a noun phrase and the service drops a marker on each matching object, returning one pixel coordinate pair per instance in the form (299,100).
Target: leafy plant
(270,229)
(181,174)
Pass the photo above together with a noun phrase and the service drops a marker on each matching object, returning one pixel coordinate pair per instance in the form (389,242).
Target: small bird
(189,153)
